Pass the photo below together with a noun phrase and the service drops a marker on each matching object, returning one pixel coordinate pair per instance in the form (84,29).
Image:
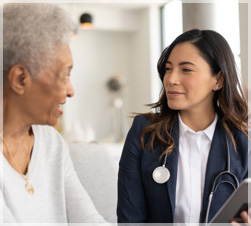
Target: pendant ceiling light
(86,21)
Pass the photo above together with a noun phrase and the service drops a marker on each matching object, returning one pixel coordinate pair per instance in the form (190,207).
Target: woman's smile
(174,94)
(60,109)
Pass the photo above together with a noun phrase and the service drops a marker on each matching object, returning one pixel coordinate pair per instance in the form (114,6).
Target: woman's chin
(174,107)
(52,122)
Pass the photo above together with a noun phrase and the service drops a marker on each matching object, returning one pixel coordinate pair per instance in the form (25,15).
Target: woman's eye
(168,69)
(186,70)
(67,77)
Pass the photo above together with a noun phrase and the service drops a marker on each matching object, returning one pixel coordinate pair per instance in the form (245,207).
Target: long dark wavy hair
(232,108)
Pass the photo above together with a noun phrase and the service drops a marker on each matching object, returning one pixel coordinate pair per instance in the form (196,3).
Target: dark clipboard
(240,200)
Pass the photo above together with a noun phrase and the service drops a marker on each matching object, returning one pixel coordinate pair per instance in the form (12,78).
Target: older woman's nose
(70,90)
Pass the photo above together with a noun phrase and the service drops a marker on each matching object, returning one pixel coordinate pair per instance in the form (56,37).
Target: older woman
(40,184)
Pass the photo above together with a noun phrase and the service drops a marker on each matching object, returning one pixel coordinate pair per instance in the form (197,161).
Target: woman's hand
(246,217)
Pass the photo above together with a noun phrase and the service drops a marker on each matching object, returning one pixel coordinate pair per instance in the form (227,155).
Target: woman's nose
(171,77)
(70,90)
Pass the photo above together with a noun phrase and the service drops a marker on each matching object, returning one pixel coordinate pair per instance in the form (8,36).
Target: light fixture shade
(86,20)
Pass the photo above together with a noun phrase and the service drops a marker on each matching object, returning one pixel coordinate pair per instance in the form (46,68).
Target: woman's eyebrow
(186,62)
(182,63)
(69,68)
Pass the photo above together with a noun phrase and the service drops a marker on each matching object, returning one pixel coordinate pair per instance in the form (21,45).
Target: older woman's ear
(18,78)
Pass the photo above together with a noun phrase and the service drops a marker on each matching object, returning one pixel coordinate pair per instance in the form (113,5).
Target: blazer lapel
(172,165)
(216,163)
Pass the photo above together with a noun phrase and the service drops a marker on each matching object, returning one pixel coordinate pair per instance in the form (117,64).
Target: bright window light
(172,22)
(226,15)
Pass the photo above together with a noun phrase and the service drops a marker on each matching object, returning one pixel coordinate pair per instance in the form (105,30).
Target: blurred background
(115,58)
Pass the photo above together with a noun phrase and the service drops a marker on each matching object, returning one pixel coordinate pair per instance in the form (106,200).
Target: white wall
(138,81)
(130,47)
(243,12)
(97,56)
(144,83)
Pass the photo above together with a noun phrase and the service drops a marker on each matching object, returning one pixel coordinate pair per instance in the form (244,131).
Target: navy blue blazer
(141,199)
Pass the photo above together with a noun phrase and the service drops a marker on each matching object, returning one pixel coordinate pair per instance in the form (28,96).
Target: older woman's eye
(67,75)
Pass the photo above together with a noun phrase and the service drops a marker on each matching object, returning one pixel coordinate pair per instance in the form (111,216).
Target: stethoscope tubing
(225,172)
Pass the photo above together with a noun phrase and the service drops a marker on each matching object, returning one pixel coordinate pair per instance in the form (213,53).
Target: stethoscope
(161,175)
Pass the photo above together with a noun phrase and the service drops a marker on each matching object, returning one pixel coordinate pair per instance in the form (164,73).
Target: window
(224,18)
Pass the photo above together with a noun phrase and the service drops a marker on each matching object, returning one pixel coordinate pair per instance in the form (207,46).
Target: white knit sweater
(59,196)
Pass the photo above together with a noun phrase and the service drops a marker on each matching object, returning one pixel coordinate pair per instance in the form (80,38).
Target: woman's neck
(15,126)
(198,121)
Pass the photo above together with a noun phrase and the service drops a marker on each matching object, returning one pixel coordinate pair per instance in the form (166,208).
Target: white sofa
(97,171)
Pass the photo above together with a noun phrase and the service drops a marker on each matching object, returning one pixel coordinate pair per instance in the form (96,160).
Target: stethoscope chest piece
(161,175)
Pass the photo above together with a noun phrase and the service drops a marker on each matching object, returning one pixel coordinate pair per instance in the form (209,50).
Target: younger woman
(199,125)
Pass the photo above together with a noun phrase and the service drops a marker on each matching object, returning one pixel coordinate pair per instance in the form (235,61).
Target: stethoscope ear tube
(214,188)
(226,172)
(227,147)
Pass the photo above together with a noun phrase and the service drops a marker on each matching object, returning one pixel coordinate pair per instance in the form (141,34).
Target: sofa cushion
(97,172)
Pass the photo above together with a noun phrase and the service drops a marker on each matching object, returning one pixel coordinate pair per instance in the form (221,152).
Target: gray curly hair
(32,33)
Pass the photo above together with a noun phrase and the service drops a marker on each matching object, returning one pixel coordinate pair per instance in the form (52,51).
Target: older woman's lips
(173,94)
(59,109)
